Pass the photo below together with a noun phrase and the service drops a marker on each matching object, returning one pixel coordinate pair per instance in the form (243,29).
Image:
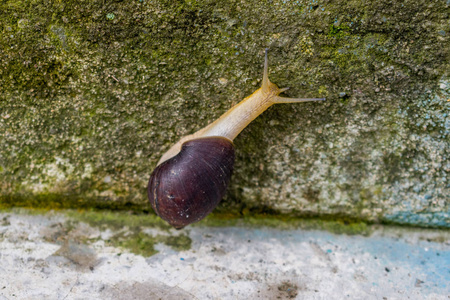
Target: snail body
(192,176)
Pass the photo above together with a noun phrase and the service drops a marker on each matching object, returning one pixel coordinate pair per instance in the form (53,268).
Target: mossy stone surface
(94,92)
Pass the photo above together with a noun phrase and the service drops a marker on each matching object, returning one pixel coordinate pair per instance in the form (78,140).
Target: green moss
(61,201)
(180,242)
(339,31)
(118,220)
(330,223)
(139,243)
(90,102)
(143,244)
(128,230)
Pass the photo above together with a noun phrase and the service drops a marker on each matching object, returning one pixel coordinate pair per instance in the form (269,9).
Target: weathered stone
(93,92)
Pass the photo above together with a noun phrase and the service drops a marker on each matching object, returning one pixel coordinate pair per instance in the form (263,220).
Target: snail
(191,178)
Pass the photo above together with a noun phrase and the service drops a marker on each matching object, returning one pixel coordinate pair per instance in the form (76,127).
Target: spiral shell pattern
(187,187)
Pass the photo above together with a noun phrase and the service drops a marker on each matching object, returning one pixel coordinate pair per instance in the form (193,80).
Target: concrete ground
(55,255)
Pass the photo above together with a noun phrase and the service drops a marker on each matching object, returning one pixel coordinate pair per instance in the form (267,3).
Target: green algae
(285,222)
(143,244)
(128,230)
(58,201)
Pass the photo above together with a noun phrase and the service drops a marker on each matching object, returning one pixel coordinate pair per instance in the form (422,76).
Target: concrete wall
(93,92)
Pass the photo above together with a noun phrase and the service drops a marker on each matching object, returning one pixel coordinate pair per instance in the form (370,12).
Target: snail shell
(194,181)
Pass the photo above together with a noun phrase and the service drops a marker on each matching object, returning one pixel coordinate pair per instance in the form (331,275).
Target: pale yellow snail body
(192,176)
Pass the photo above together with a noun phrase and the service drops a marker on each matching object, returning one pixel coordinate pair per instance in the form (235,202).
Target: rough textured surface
(93,92)
(82,261)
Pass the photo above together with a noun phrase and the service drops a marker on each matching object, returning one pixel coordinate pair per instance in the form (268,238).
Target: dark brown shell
(187,187)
